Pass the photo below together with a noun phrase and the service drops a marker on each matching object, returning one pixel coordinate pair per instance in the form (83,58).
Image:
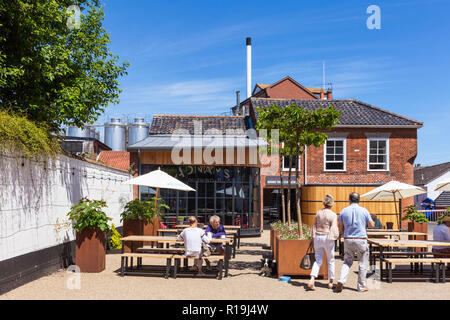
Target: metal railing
(433,215)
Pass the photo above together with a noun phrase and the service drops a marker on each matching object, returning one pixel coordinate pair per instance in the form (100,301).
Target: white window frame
(283,169)
(344,146)
(368,152)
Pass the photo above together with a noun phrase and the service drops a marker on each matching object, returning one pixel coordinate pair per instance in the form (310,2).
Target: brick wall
(288,90)
(402,153)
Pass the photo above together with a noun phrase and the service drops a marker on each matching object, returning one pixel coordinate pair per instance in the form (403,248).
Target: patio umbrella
(159,179)
(393,190)
(443,186)
(232,191)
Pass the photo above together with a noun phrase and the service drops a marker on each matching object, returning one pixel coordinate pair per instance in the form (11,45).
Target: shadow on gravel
(249,244)
(242,265)
(251,252)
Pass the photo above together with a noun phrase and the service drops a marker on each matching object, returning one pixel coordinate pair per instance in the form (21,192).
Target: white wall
(432,185)
(35,198)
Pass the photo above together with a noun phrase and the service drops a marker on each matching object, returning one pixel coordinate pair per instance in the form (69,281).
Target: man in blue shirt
(353,222)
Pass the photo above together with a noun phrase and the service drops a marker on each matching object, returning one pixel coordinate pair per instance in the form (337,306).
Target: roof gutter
(418,126)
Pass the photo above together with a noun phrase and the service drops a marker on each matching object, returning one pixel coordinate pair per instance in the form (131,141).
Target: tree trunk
(283,199)
(289,192)
(297,194)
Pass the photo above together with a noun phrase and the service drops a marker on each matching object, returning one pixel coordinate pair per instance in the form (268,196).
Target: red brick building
(369,147)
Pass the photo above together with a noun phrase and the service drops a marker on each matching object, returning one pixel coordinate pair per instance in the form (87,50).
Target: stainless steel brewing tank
(138,131)
(115,133)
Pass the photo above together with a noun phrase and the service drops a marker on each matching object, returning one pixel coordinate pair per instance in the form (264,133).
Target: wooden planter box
(90,251)
(273,242)
(289,255)
(417,227)
(139,228)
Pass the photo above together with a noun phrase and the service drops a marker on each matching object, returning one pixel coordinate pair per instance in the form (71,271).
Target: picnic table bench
(228,232)
(436,264)
(167,253)
(411,257)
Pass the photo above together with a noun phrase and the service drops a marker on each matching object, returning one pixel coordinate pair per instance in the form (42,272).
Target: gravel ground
(243,284)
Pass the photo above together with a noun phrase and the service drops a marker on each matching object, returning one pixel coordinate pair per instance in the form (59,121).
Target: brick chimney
(321,95)
(329,95)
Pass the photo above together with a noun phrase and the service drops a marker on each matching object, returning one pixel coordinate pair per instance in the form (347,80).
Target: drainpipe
(305,174)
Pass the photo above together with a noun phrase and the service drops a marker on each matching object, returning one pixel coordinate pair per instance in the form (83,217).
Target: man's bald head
(354,197)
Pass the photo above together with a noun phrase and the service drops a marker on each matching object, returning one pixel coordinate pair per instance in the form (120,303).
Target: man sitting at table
(378,224)
(441,233)
(215,230)
(193,238)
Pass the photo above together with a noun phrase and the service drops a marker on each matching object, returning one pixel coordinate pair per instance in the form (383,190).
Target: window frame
(283,169)
(369,139)
(344,146)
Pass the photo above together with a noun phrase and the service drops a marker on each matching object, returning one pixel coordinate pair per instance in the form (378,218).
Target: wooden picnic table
(386,233)
(389,243)
(234,233)
(230,227)
(174,240)
(384,230)
(395,233)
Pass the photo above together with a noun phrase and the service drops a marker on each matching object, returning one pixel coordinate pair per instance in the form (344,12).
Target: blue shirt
(216,233)
(354,219)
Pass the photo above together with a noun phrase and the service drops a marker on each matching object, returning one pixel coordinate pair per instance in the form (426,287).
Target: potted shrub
(91,225)
(139,218)
(290,250)
(417,221)
(446,213)
(115,244)
(180,220)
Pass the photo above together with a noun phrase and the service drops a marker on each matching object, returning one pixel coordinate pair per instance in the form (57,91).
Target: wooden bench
(125,256)
(160,250)
(404,254)
(177,262)
(432,261)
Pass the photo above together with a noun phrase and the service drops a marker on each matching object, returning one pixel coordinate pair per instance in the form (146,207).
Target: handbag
(309,258)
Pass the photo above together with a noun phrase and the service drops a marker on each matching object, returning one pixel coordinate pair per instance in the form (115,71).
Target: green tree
(299,128)
(53,70)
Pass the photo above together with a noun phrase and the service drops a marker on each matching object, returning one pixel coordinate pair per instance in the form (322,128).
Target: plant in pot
(417,222)
(91,225)
(180,220)
(139,218)
(446,213)
(291,246)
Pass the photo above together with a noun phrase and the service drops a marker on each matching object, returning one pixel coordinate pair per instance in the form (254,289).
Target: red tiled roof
(116,159)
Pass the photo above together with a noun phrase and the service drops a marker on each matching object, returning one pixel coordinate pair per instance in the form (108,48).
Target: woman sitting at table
(193,238)
(215,230)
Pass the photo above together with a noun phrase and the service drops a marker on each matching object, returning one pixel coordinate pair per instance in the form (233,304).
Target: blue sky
(188,57)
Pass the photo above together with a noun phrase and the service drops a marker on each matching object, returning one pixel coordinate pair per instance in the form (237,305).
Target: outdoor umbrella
(159,179)
(443,186)
(232,191)
(395,190)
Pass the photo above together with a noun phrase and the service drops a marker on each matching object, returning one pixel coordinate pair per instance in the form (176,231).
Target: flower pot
(417,227)
(289,254)
(90,251)
(389,225)
(139,228)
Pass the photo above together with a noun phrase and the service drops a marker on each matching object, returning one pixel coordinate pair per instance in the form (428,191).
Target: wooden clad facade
(312,196)
(246,158)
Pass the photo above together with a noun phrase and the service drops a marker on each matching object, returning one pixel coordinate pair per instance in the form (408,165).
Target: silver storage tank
(137,131)
(115,134)
(74,131)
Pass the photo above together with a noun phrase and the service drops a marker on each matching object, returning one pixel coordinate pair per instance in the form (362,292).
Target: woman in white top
(324,232)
